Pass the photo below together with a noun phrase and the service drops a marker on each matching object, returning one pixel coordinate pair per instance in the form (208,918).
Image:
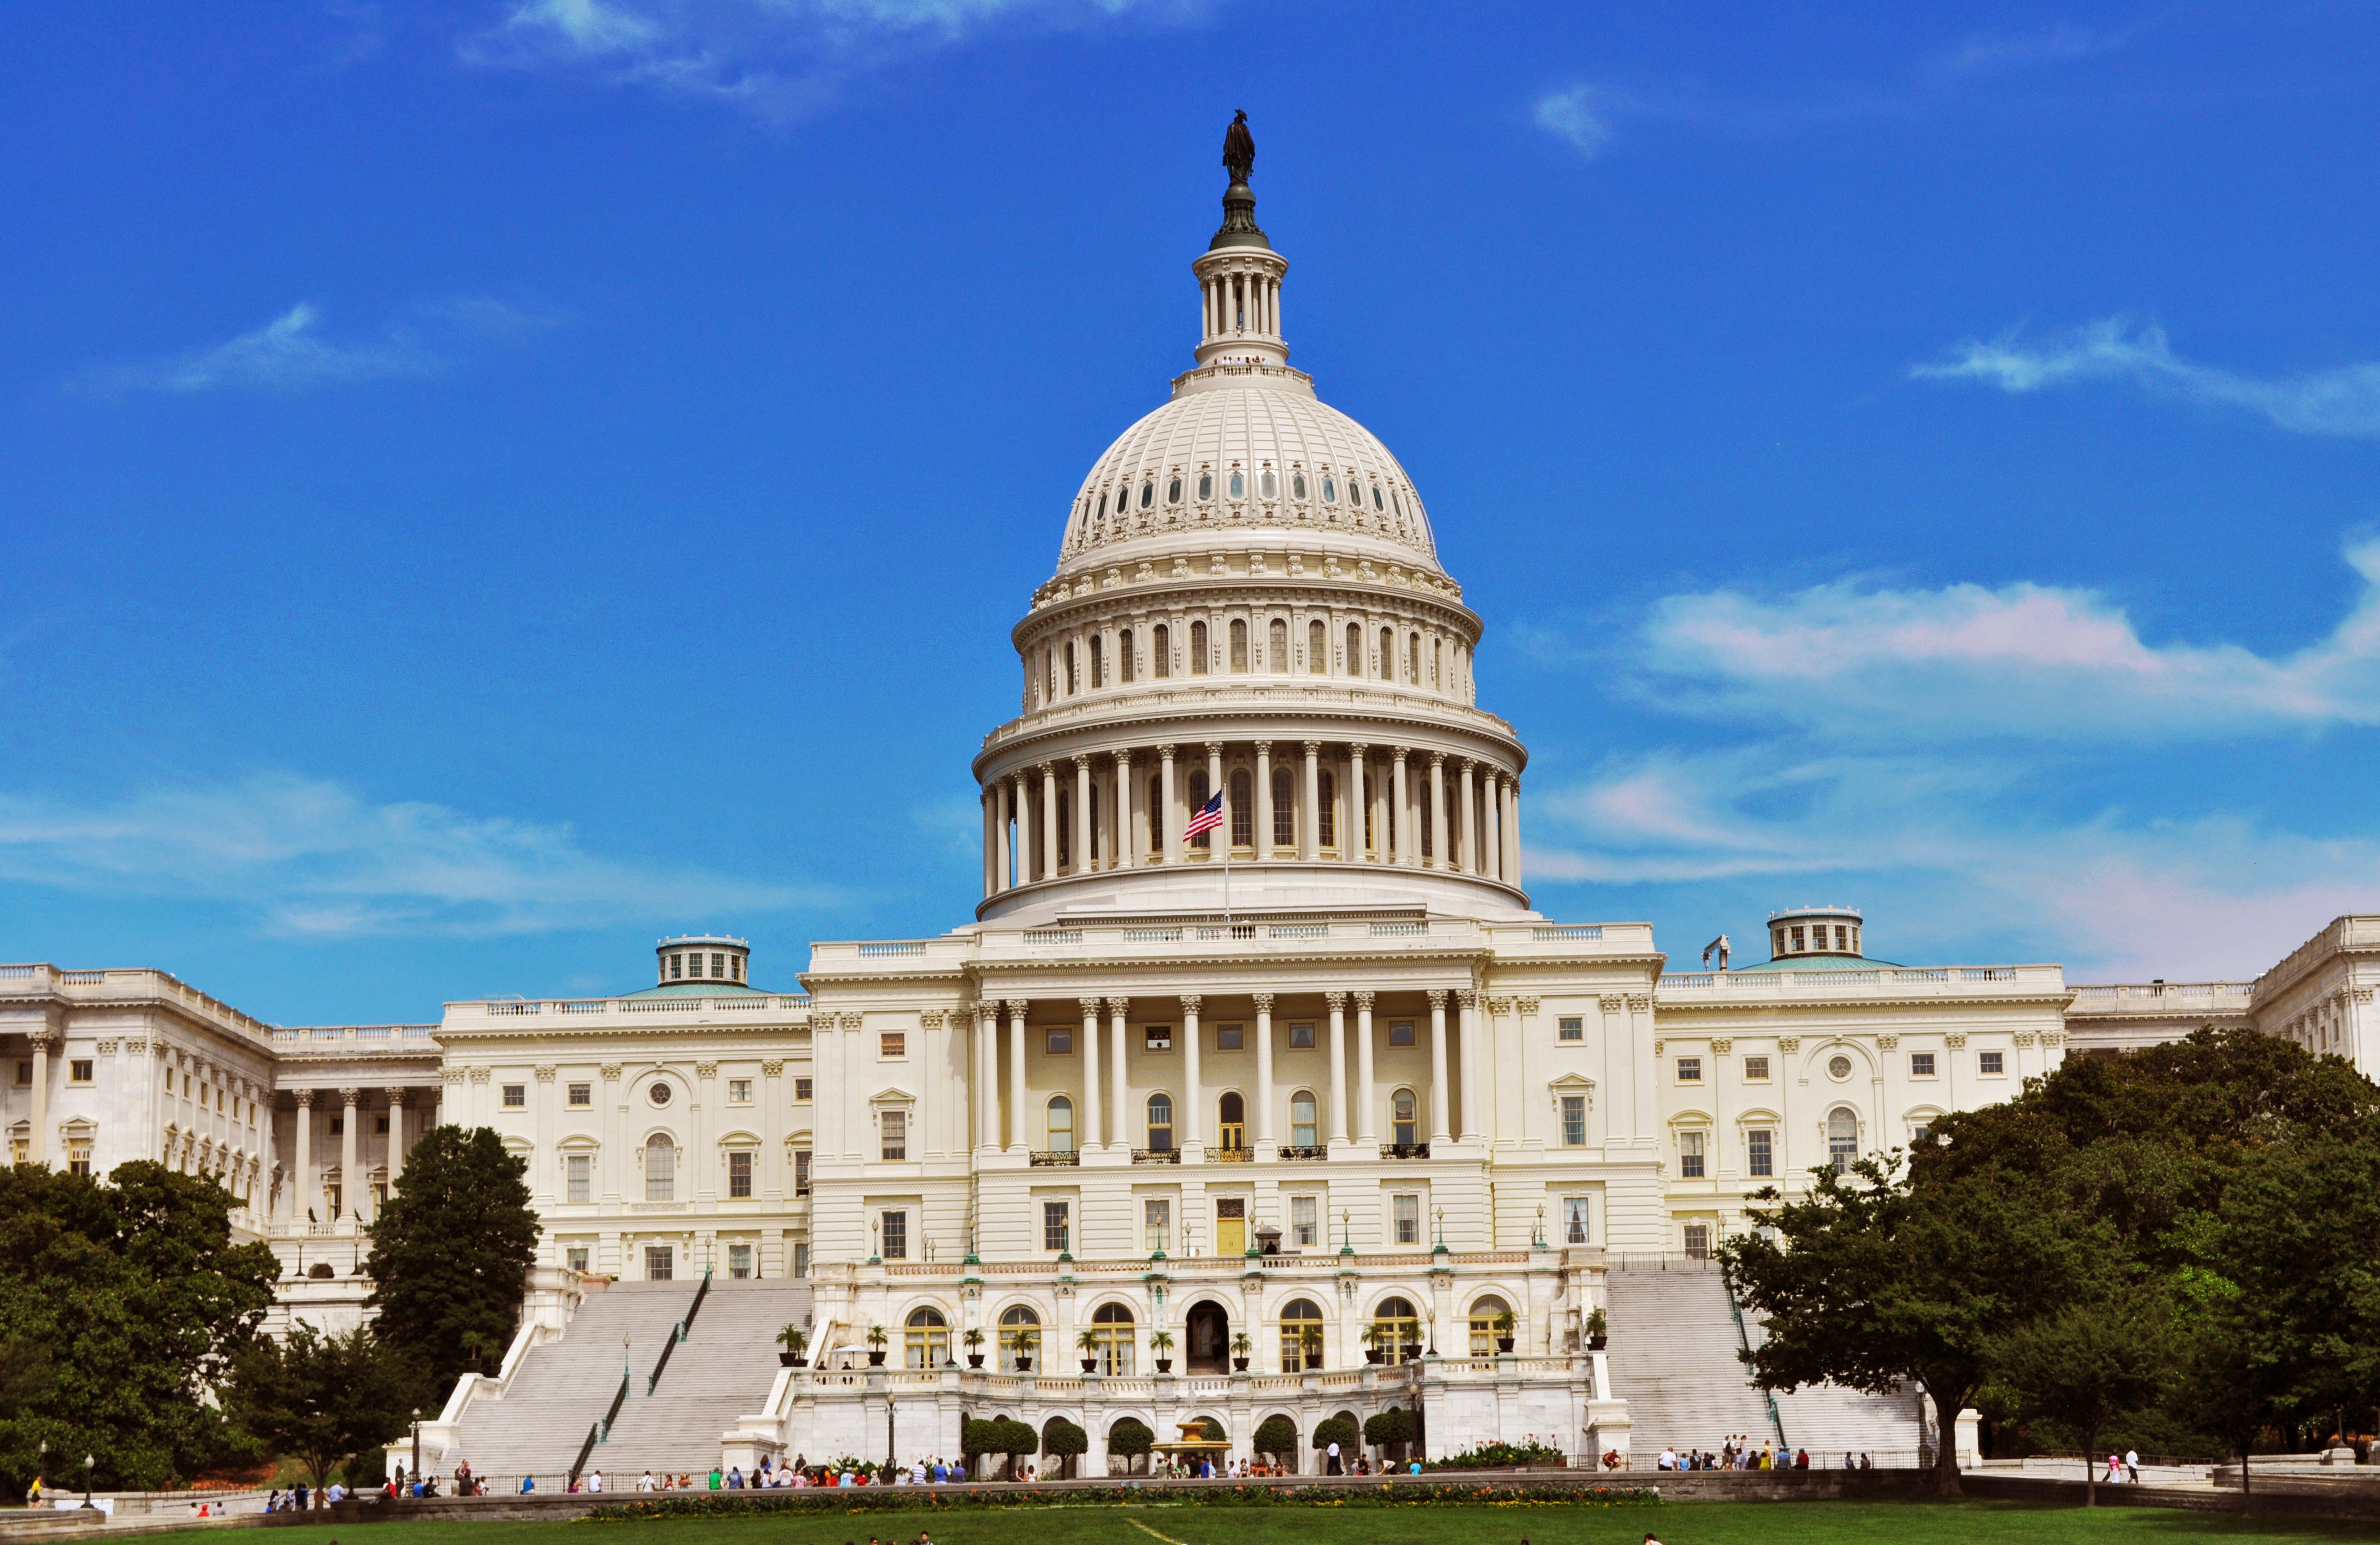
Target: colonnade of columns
(303,1189)
(1241,303)
(1348,802)
(1348,1106)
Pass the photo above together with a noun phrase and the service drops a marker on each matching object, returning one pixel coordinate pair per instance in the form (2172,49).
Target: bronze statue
(1239,147)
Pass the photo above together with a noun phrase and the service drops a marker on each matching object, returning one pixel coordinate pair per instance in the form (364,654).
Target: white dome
(1332,483)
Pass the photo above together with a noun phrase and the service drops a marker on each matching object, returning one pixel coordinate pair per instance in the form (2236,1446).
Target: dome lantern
(1240,274)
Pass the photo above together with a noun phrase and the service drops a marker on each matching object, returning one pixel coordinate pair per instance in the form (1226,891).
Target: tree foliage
(1130,1437)
(1064,1441)
(1335,1430)
(452,1250)
(1394,1425)
(1276,1435)
(2084,1367)
(322,1400)
(122,1305)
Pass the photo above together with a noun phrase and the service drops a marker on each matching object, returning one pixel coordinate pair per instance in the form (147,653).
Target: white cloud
(1580,117)
(2345,400)
(1964,664)
(2059,44)
(311,857)
(290,353)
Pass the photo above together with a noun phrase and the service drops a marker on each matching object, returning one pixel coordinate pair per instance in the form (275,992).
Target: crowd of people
(1736,1453)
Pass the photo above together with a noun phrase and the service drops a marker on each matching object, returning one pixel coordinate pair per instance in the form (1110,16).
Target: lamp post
(88,1461)
(40,1464)
(416,1445)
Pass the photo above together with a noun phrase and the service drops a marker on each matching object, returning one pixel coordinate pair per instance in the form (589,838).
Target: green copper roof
(698,990)
(1813,961)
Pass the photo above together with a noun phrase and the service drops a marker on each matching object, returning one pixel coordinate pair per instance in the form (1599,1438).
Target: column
(1266,1151)
(1261,825)
(1164,820)
(1309,831)
(1469,821)
(1016,1123)
(1366,1132)
(1122,856)
(1193,1093)
(1441,844)
(1438,1127)
(1513,830)
(351,1187)
(42,1039)
(1117,1009)
(1049,823)
(1474,1063)
(1094,1133)
(987,1074)
(1338,1073)
(1355,806)
(396,1135)
(1491,841)
(1400,813)
(1220,838)
(1021,843)
(991,864)
(1084,852)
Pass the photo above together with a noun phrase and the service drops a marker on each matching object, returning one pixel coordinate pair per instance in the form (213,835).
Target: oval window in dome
(1271,489)
(1206,485)
(1173,492)
(1103,506)
(1375,498)
(1330,491)
(1297,485)
(1147,493)
(1239,488)
(1399,499)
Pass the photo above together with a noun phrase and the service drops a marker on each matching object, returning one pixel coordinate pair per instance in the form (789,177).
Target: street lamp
(88,1461)
(416,1445)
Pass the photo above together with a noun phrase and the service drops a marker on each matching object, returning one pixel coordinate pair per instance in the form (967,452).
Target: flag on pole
(1210,816)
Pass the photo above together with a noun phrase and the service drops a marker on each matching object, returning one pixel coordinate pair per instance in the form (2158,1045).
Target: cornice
(1169,592)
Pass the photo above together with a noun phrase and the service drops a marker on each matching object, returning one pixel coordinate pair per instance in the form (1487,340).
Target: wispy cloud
(292,352)
(1581,117)
(779,59)
(2061,42)
(2345,400)
(308,856)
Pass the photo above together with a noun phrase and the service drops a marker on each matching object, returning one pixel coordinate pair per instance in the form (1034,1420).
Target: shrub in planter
(1337,1429)
(1277,1436)
(1131,1439)
(1064,1441)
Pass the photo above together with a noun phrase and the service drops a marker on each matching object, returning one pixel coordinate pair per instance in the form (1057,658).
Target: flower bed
(932,1499)
(1503,1456)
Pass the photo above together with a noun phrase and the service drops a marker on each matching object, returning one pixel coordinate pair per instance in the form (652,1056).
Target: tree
(1335,1430)
(1130,1438)
(1391,1427)
(1276,1436)
(135,1300)
(1017,1437)
(322,1399)
(1064,1441)
(2083,1368)
(977,1437)
(1880,1276)
(452,1251)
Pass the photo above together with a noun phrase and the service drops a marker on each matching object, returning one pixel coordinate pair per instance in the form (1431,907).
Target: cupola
(1803,931)
(703,958)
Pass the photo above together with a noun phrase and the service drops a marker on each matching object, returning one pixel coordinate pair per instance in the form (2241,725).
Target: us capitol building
(1306,1114)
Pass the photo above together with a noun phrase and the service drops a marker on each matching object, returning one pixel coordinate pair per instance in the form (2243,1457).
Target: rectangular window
(739,1261)
(1760,1151)
(1572,1027)
(1059,1043)
(739,1091)
(801,1091)
(802,1259)
(1920,1065)
(719,967)
(657,1263)
(575,1258)
(1156,1223)
(582,1094)
(893,1045)
(1229,1038)
(79,1157)
(801,1172)
(1053,1226)
(1301,1038)
(1573,1120)
(1690,1155)
(25,1075)
(1574,1219)
(739,1175)
(1991,1064)
(578,1172)
(1756,1070)
(1690,1070)
(516,1096)
(380,1126)
(1157,1038)
(1698,1241)
(1304,1227)
(1401,1033)
(1406,1210)
(896,1237)
(78,1071)
(896,1135)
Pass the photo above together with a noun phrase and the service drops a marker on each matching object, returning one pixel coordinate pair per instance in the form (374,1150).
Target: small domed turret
(1806,931)
(703,958)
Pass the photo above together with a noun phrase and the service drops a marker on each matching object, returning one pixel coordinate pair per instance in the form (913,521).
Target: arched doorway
(1209,1331)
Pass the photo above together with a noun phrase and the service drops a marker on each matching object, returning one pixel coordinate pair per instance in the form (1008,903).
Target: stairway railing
(1744,1339)
(602,1430)
(678,1330)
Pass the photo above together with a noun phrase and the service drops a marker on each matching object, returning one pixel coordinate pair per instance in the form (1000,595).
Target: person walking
(2133,1466)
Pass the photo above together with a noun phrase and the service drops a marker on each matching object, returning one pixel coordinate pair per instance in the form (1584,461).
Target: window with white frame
(1305,1224)
(1690,1155)
(801,1172)
(516,1096)
(1920,1065)
(1690,1070)
(1756,1070)
(661,1168)
(1301,1132)
(1574,1219)
(1760,1151)
(801,1091)
(894,1126)
(1571,1026)
(739,1173)
(578,1177)
(893,1045)
(894,1231)
(739,1261)
(1991,1065)
(1405,1213)
(582,1095)
(1698,1241)
(1059,1043)
(1573,1121)
(1156,1223)
(1054,1234)
(575,1258)
(739,1091)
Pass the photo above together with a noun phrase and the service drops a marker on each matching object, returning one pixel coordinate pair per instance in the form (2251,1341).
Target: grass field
(1967,1522)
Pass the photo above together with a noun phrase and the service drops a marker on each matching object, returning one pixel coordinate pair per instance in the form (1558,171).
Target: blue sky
(489,482)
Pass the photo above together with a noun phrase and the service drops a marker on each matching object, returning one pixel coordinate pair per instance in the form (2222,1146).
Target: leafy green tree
(1335,1430)
(1130,1438)
(137,1301)
(322,1400)
(452,1251)
(2085,1368)
(1391,1427)
(1016,1439)
(977,1437)
(1276,1435)
(1064,1441)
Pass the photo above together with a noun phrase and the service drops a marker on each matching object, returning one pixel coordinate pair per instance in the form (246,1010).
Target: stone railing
(137,983)
(2163,997)
(497,1009)
(357,1040)
(1882,982)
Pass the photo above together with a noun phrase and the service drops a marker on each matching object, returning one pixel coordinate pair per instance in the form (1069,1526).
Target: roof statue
(1239,147)
(1239,228)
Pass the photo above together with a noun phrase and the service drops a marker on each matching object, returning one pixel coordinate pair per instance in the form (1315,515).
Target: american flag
(1210,816)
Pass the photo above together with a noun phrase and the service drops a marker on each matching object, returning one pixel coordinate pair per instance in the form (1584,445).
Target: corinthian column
(1260,826)
(1441,841)
(1266,1151)
(44,1039)
(1016,1123)
(1194,1094)
(1473,1062)
(1021,843)
(1117,1009)
(1437,1129)
(1121,818)
(1366,1132)
(304,1193)
(1309,839)
(987,1074)
(1094,1131)
(350,1178)
(1491,840)
(1400,811)
(1470,852)
(1338,1070)
(395,1136)
(1357,810)
(1165,819)
(1085,858)
(1048,820)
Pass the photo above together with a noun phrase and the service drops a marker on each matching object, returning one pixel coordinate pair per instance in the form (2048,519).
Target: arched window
(1157,813)
(1198,796)
(1413,659)
(1020,1332)
(1388,654)
(1060,1120)
(1161,1123)
(1301,1335)
(1437,662)
(1395,1331)
(1113,1337)
(1066,827)
(1354,650)
(1486,1310)
(1124,657)
(1377,503)
(927,1339)
(1244,808)
(1427,823)
(1277,647)
(1160,661)
(1317,649)
(1328,835)
(1239,644)
(1285,808)
(1403,1128)
(1173,490)
(1098,663)
(1330,491)
(1842,1138)
(661,1168)
(1232,1123)
(1238,486)
(1301,1120)
(1198,649)
(1148,493)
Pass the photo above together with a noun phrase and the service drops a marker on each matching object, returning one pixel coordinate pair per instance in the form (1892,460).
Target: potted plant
(1595,1331)
(1374,1334)
(1089,1344)
(1309,1342)
(973,1338)
(1022,1340)
(795,1341)
(876,1340)
(1241,1346)
(1160,1343)
(1504,1323)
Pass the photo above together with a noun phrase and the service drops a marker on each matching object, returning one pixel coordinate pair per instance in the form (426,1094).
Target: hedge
(934,1499)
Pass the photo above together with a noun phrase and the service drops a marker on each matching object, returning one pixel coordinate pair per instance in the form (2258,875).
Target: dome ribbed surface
(1252,430)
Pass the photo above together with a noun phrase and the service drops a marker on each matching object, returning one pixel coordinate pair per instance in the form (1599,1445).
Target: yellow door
(1231,1227)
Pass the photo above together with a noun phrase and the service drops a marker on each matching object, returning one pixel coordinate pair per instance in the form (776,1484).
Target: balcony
(1156,1156)
(1233,1155)
(1405,1151)
(1304,1155)
(1055,1158)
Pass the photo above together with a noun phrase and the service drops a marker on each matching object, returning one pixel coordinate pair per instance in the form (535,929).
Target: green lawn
(1968,1523)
